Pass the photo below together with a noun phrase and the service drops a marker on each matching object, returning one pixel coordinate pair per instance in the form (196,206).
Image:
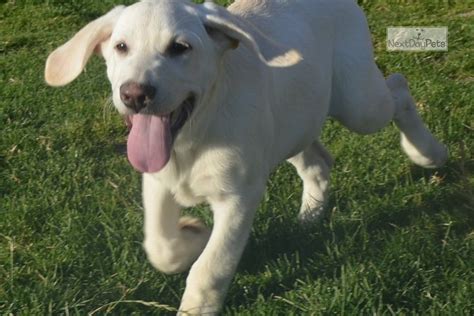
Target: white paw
(309,216)
(192,224)
(178,254)
(433,155)
(200,302)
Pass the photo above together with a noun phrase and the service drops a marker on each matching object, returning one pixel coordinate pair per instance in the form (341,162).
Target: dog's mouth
(181,115)
(151,136)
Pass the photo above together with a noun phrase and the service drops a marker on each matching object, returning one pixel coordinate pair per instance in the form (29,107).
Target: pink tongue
(149,142)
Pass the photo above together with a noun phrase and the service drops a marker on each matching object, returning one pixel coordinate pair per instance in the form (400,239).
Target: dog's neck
(222,117)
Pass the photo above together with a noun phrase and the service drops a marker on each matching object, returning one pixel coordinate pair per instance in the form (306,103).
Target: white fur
(262,103)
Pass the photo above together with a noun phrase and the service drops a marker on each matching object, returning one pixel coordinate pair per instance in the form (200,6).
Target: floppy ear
(68,61)
(229,30)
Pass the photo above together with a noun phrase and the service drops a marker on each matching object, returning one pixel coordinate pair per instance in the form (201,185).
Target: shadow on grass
(288,252)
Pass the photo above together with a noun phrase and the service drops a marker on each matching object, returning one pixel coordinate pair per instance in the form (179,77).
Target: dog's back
(334,40)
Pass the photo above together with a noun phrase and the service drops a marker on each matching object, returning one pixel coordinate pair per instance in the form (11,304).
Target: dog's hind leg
(416,140)
(313,166)
(172,243)
(369,103)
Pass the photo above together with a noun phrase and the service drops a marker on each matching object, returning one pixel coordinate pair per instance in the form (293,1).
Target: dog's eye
(121,48)
(178,48)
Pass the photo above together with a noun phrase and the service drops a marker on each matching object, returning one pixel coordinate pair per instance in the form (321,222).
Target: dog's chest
(186,195)
(185,189)
(207,174)
(190,190)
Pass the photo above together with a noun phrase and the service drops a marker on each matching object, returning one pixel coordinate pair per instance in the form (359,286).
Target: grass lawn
(400,239)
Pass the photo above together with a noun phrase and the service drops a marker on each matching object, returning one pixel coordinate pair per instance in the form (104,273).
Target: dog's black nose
(136,96)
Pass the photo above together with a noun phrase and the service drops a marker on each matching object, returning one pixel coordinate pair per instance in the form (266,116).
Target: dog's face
(160,62)
(163,46)
(163,57)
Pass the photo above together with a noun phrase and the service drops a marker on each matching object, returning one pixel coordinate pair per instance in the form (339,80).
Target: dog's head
(163,58)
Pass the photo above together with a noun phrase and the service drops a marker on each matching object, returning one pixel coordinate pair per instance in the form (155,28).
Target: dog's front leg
(172,243)
(211,274)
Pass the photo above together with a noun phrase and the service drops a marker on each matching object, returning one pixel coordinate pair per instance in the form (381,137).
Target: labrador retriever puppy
(217,98)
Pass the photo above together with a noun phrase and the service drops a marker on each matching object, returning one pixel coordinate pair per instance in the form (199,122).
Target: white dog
(217,98)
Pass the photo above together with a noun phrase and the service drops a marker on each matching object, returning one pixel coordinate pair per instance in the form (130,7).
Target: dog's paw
(194,234)
(431,154)
(193,225)
(310,216)
(208,311)
(176,255)
(200,301)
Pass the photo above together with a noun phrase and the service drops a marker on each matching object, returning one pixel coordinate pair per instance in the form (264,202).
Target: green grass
(400,239)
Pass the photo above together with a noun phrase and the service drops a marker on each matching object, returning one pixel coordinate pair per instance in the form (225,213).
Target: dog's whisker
(107,108)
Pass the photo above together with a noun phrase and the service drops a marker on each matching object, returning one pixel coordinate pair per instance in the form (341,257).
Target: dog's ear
(229,31)
(68,61)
